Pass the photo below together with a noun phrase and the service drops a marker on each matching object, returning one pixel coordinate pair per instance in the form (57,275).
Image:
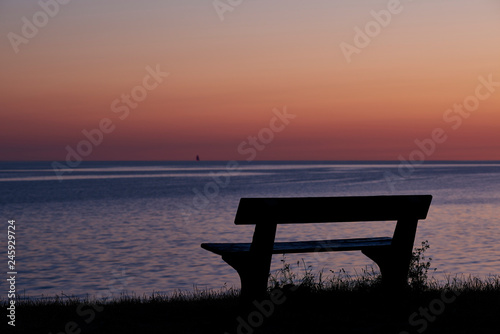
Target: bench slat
(303,246)
(300,210)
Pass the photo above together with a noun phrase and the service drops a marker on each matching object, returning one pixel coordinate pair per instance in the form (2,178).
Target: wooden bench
(252,260)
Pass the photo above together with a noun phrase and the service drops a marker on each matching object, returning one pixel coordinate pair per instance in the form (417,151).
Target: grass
(308,303)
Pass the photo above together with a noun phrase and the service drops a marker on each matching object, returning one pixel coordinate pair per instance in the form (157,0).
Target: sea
(104,229)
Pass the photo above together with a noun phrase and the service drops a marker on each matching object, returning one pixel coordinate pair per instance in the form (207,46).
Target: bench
(252,260)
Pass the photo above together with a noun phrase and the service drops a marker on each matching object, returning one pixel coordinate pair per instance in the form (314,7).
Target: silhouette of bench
(252,260)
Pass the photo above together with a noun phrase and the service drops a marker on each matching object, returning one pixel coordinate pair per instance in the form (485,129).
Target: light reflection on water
(143,234)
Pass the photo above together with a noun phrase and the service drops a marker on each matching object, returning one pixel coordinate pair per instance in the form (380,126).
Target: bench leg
(394,261)
(393,267)
(254,274)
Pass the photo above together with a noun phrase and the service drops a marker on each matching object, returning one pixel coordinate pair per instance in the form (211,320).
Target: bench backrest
(299,210)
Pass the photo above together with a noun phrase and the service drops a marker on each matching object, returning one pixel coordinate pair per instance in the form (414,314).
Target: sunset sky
(229,67)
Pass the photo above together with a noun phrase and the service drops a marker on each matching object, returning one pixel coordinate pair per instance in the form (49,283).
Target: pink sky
(226,77)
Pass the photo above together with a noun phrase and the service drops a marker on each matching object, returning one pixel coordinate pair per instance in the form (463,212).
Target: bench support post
(394,262)
(253,267)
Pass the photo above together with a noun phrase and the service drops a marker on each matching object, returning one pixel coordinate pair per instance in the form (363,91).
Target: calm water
(108,227)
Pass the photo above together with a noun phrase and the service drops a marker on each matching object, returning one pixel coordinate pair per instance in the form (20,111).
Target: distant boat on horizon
(197,158)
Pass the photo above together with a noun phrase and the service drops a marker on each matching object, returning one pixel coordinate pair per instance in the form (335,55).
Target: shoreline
(355,305)
(361,310)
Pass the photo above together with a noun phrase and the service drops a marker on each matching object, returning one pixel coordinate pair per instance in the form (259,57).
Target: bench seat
(303,246)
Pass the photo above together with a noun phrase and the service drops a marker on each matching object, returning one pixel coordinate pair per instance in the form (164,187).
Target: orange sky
(226,77)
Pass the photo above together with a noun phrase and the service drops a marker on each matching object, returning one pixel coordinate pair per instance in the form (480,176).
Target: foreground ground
(369,310)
